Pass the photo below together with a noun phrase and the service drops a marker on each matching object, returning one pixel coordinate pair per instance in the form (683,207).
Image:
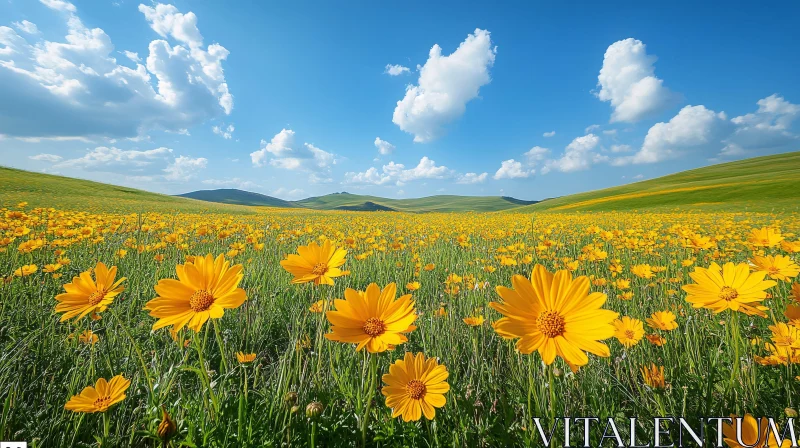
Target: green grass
(238,197)
(47,190)
(769,183)
(439,203)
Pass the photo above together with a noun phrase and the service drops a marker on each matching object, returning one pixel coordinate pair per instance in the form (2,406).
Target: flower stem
(221,346)
(204,372)
(373,364)
(127,332)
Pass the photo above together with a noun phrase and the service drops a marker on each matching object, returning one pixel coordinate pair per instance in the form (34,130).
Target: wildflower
(415,386)
(662,320)
(84,295)
(245,358)
(654,376)
(779,267)
(205,289)
(26,270)
(100,397)
(318,264)
(765,237)
(752,432)
(474,321)
(730,287)
(628,331)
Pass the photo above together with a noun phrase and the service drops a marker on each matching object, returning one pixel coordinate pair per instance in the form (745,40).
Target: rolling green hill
(441,203)
(239,197)
(769,183)
(47,190)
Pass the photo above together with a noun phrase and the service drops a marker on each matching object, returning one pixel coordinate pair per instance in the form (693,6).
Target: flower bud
(791,413)
(167,428)
(314,409)
(290,398)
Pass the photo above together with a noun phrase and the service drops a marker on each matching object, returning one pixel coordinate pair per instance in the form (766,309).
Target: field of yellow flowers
(287,328)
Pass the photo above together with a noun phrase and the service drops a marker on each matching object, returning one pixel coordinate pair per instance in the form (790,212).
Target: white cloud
(134,57)
(694,128)
(287,154)
(46,158)
(627,79)
(383,146)
(395,69)
(472,178)
(621,148)
(591,128)
(234,182)
(103,158)
(224,132)
(768,128)
(397,173)
(536,154)
(511,169)
(446,84)
(579,155)
(184,168)
(638,176)
(27,27)
(76,88)
(287,194)
(549,134)
(610,132)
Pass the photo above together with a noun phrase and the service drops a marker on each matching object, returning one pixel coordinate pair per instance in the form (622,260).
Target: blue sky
(297,99)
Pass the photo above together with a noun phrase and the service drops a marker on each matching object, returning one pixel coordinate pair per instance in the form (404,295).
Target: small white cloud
(610,132)
(223,131)
(184,168)
(549,134)
(288,155)
(27,27)
(511,169)
(627,80)
(472,178)
(621,148)
(395,70)
(384,147)
(398,174)
(446,84)
(59,5)
(234,182)
(46,158)
(638,176)
(578,155)
(536,154)
(132,56)
(591,128)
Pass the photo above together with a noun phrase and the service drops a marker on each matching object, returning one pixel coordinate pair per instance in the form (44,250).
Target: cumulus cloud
(46,158)
(579,155)
(283,152)
(536,154)
(472,178)
(27,27)
(549,134)
(184,168)
(694,128)
(395,69)
(398,174)
(142,165)
(446,84)
(383,146)
(76,88)
(766,129)
(223,131)
(511,169)
(627,80)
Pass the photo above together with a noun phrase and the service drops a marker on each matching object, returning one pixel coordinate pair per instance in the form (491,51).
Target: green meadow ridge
(768,184)
(765,184)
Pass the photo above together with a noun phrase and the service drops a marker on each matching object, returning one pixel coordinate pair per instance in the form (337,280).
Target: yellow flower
(204,289)
(752,432)
(730,287)
(245,358)
(415,386)
(100,397)
(319,306)
(88,337)
(779,267)
(796,292)
(50,268)
(628,331)
(474,321)
(429,267)
(26,270)
(654,376)
(373,318)
(318,264)
(662,320)
(412,286)
(85,295)
(656,339)
(765,237)
(643,271)
(555,315)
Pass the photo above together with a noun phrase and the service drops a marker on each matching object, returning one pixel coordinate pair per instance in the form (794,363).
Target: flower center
(201,300)
(416,389)
(319,269)
(101,403)
(96,297)
(773,270)
(629,334)
(550,323)
(728,293)
(374,327)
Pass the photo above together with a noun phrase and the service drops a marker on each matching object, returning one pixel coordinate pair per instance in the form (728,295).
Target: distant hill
(440,203)
(769,183)
(366,207)
(47,190)
(239,197)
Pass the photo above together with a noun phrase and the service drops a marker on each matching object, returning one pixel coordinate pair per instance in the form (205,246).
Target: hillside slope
(239,197)
(47,190)
(769,183)
(440,203)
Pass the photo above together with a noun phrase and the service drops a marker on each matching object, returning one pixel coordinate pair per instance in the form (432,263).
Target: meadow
(271,368)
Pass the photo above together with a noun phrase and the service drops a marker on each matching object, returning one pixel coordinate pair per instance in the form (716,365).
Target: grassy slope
(441,203)
(46,190)
(769,183)
(240,197)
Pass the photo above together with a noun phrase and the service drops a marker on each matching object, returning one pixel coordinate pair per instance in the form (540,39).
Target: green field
(770,183)
(47,190)
(439,203)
